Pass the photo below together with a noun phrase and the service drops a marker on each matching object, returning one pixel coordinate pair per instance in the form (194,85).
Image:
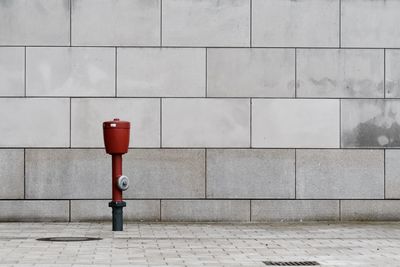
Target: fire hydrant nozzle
(116,140)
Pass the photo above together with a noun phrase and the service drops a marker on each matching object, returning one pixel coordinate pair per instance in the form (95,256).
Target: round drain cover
(69,239)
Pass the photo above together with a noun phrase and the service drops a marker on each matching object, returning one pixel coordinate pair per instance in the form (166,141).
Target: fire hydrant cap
(116,124)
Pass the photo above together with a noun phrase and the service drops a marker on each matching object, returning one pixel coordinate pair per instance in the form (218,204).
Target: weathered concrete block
(392,73)
(206,23)
(165,173)
(38,122)
(294,210)
(340,73)
(66,71)
(205,210)
(250,72)
(12,73)
(392,174)
(338,174)
(89,114)
(205,123)
(67,173)
(370,210)
(295,123)
(250,173)
(370,123)
(122,22)
(11,173)
(34,210)
(34,22)
(370,23)
(55,173)
(98,210)
(283,23)
(161,72)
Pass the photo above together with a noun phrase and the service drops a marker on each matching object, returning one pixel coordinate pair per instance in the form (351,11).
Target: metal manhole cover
(69,239)
(291,263)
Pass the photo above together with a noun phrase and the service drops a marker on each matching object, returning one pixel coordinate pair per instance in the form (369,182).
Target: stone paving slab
(181,244)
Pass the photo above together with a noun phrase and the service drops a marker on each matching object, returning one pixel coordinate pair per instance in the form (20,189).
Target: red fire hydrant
(116,140)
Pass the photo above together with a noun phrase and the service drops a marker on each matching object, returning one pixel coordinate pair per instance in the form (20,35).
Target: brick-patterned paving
(162,244)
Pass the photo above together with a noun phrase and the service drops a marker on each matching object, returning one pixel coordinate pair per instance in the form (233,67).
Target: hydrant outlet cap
(116,124)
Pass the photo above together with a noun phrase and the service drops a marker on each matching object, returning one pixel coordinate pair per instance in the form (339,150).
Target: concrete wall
(241,110)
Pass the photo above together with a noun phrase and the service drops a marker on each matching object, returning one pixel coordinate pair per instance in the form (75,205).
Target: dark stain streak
(393,88)
(348,87)
(323,82)
(290,85)
(369,134)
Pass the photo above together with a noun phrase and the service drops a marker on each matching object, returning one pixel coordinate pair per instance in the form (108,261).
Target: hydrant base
(117,215)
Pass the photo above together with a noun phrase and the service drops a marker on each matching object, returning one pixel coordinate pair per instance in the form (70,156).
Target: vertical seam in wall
(251,122)
(205,173)
(340,123)
(116,71)
(251,22)
(160,209)
(295,72)
(295,173)
(24,173)
(340,23)
(250,210)
(384,173)
(25,71)
(70,22)
(206,72)
(69,208)
(340,210)
(161,22)
(384,73)
(160,122)
(70,122)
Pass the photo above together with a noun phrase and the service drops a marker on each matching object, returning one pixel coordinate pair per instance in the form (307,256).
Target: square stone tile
(392,173)
(158,72)
(67,174)
(88,114)
(340,73)
(240,72)
(370,123)
(11,173)
(361,29)
(302,123)
(370,210)
(392,73)
(12,71)
(34,22)
(98,210)
(294,210)
(34,122)
(250,173)
(205,210)
(165,173)
(206,23)
(283,23)
(116,23)
(339,174)
(66,71)
(205,122)
(34,210)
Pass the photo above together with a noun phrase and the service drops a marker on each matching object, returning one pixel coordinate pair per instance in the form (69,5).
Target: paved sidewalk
(171,244)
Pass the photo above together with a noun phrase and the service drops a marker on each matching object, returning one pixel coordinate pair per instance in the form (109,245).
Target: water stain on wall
(393,88)
(346,88)
(370,135)
(371,123)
